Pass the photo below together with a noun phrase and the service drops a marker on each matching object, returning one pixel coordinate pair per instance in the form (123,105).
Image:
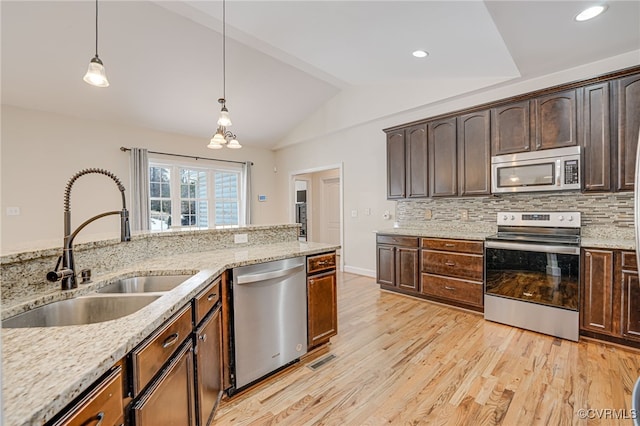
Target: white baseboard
(359,271)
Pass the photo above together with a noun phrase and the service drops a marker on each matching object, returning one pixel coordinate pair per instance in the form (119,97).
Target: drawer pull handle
(449,288)
(203,337)
(170,340)
(212,296)
(450,264)
(449,245)
(98,417)
(527,294)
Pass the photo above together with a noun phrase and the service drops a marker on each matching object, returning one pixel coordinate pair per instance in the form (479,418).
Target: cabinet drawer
(453,264)
(206,300)
(148,358)
(464,291)
(103,405)
(321,262)
(629,261)
(462,246)
(398,240)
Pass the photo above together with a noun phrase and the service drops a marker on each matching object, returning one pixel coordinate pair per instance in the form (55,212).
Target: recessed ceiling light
(590,13)
(420,54)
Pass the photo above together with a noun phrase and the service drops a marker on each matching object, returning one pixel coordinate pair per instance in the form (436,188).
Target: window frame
(175,167)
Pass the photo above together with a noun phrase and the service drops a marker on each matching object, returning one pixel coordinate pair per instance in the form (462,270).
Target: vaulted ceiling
(285,59)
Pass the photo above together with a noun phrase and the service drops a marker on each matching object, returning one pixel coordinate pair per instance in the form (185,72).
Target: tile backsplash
(597,209)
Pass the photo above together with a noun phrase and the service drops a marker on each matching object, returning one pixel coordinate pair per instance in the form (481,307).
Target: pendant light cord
(96,28)
(224,52)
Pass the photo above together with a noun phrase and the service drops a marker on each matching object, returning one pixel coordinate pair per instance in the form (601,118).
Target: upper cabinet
(450,155)
(474,154)
(407,163)
(443,156)
(555,120)
(510,128)
(628,127)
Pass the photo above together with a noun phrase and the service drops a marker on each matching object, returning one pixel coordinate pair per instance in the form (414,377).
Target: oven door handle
(532,247)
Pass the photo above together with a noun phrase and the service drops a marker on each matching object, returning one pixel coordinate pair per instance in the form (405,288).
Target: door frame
(292,199)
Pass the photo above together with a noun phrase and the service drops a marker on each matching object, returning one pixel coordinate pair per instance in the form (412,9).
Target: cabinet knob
(449,263)
(212,296)
(203,337)
(449,288)
(587,254)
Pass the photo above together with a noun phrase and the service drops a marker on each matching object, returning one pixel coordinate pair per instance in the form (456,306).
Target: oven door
(538,273)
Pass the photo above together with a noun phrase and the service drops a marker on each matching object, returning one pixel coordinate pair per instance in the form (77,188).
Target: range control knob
(570,218)
(505,217)
(560,218)
(513,217)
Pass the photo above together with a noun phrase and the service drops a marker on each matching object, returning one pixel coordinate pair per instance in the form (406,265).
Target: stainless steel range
(532,272)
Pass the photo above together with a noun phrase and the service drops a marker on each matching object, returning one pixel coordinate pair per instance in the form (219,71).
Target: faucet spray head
(125,229)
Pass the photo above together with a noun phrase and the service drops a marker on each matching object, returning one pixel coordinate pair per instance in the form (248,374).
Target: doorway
(316,196)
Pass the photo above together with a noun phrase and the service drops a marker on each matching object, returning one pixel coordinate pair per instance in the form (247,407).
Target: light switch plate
(240,238)
(13,211)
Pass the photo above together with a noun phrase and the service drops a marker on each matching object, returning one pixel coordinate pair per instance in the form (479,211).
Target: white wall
(362,150)
(41,151)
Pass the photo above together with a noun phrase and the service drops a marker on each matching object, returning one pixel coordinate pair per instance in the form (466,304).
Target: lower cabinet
(398,261)
(610,296)
(208,366)
(322,299)
(102,405)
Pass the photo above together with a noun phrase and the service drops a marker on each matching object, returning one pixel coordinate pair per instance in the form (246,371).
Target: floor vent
(321,362)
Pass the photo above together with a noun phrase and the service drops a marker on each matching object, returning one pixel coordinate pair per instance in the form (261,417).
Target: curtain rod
(124,149)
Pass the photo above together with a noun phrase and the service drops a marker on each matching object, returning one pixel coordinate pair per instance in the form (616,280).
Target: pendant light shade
(96,75)
(222,135)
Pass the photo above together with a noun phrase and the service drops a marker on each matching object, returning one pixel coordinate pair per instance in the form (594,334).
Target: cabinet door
(209,366)
(385,265)
(407,268)
(596,138)
(474,154)
(628,91)
(169,400)
(510,128)
(630,305)
(322,308)
(396,157)
(443,158)
(556,120)
(597,296)
(417,161)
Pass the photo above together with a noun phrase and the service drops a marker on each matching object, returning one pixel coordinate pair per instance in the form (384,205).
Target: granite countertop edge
(36,383)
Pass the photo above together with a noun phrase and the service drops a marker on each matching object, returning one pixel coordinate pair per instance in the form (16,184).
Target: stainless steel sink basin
(81,310)
(146,284)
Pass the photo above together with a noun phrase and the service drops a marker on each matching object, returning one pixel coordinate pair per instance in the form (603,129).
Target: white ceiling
(285,59)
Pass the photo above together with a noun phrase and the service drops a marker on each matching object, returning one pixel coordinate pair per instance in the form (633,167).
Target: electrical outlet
(367,212)
(464,214)
(427,214)
(354,213)
(240,238)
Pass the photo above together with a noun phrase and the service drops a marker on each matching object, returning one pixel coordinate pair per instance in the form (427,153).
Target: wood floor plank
(404,361)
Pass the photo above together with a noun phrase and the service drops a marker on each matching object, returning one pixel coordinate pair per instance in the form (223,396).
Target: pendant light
(95,75)
(223,136)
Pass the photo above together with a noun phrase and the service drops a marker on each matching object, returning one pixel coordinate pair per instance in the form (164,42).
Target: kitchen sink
(81,310)
(145,284)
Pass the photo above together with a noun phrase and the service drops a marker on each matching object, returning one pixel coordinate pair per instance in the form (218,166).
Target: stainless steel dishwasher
(269,317)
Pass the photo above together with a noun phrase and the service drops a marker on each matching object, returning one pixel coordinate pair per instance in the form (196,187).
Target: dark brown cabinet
(397,266)
(407,163)
(511,128)
(453,270)
(596,312)
(169,400)
(610,307)
(322,299)
(208,358)
(474,154)
(555,120)
(596,139)
(443,158)
(103,404)
(627,91)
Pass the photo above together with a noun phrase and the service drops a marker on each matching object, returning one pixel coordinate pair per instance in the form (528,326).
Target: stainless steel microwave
(547,170)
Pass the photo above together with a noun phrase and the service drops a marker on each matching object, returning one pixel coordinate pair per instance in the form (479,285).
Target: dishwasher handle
(252,278)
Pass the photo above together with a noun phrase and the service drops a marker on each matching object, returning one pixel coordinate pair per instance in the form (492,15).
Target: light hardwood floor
(404,361)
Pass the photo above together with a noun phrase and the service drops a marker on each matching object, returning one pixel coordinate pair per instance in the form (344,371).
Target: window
(204,197)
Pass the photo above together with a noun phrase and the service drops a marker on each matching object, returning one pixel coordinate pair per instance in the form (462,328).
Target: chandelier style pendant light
(95,75)
(223,136)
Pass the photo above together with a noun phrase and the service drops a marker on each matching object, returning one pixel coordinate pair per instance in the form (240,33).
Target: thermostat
(262,198)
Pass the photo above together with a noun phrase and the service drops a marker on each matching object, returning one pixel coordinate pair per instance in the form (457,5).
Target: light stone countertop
(436,233)
(46,368)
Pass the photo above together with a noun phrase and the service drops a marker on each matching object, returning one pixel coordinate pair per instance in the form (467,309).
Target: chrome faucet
(65,272)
